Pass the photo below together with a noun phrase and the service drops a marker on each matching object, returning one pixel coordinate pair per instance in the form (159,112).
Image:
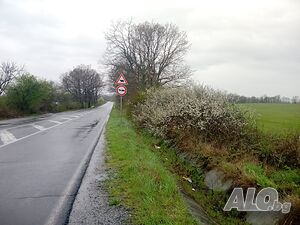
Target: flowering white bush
(196,110)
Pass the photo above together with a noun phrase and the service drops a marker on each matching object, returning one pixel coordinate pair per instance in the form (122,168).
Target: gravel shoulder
(91,205)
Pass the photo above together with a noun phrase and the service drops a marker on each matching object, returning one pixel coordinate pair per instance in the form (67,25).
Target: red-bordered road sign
(121,90)
(121,80)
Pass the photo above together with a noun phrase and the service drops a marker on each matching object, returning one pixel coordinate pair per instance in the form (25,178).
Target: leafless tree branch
(151,54)
(8,72)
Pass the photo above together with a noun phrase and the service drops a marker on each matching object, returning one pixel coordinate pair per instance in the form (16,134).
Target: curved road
(42,161)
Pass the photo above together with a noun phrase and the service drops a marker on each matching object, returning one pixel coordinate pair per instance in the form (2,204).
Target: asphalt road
(42,162)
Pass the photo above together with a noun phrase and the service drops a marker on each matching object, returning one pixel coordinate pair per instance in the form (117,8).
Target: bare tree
(150,53)
(84,84)
(8,72)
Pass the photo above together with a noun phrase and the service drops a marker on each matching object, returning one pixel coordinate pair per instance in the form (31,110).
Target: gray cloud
(251,48)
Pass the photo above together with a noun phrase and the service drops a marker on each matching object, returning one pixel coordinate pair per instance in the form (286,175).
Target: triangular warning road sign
(121,79)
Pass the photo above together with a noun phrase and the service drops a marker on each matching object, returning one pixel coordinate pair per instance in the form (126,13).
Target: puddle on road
(83,131)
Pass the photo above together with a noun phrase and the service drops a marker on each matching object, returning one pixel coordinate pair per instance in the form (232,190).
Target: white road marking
(7,137)
(1,146)
(27,136)
(54,121)
(74,116)
(65,118)
(39,127)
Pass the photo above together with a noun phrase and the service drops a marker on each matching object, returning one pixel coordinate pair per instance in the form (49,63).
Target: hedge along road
(42,162)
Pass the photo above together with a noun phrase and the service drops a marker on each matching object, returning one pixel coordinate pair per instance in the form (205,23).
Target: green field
(277,118)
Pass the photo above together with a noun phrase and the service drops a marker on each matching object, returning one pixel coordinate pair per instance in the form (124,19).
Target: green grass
(276,118)
(258,174)
(142,183)
(286,176)
(283,179)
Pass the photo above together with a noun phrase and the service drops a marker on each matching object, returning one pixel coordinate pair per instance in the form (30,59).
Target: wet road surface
(42,161)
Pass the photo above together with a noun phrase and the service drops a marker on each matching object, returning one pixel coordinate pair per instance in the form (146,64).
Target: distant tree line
(263,99)
(23,93)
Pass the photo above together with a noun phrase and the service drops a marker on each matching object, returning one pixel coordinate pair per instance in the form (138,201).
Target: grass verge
(142,183)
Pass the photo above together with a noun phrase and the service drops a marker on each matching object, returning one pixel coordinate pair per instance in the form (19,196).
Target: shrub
(198,111)
(285,151)
(191,116)
(29,94)
(5,111)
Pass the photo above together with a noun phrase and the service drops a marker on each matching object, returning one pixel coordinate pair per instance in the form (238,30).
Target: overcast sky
(245,47)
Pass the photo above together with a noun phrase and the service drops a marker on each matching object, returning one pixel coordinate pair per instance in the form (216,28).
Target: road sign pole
(121,107)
